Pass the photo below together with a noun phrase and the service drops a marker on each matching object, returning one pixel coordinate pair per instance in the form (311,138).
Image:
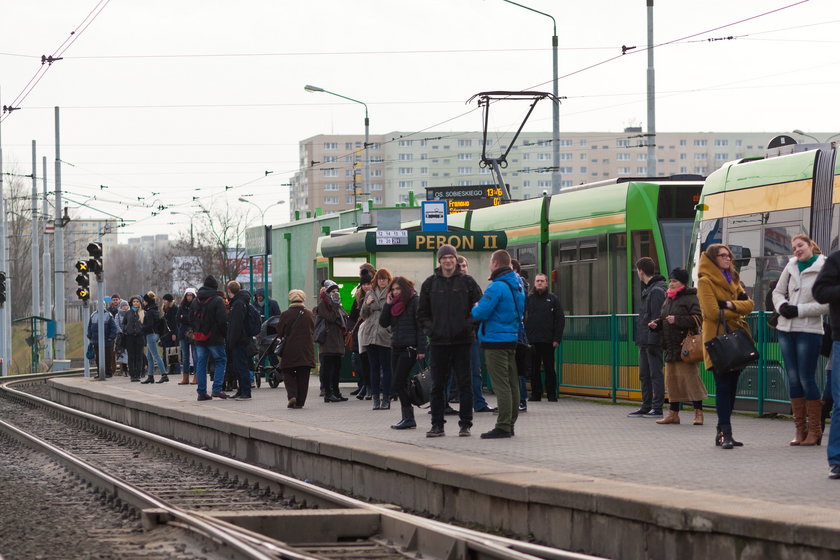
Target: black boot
(726,441)
(356,392)
(362,392)
(405,424)
(385,403)
(149,379)
(163,379)
(376,401)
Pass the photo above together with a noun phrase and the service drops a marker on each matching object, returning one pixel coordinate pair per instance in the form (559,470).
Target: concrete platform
(579,474)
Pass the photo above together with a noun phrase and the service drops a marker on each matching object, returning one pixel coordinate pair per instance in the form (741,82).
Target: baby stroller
(268,363)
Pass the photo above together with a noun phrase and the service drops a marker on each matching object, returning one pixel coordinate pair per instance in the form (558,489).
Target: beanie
(211,282)
(168,297)
(446,251)
(189,291)
(329,286)
(679,274)
(297,296)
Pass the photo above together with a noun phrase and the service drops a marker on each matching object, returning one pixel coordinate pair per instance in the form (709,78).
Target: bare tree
(19,231)
(219,241)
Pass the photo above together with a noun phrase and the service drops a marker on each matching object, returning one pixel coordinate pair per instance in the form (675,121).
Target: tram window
(678,201)
(676,237)
(568,252)
(778,239)
(745,244)
(588,250)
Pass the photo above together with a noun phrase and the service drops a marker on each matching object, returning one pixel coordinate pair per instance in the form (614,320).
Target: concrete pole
(366,220)
(59,251)
(36,252)
(45,265)
(555,119)
(651,97)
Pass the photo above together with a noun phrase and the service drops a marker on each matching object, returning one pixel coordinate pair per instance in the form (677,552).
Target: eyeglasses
(724,256)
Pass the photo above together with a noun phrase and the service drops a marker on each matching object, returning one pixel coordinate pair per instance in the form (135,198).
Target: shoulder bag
(420,386)
(732,350)
(691,350)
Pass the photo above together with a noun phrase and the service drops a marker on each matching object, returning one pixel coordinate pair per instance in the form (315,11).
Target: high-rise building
(332,174)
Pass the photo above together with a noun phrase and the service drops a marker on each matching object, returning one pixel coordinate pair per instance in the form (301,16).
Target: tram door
(643,245)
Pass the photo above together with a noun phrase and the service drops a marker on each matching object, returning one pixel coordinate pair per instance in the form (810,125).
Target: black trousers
(134,346)
(402,360)
(543,354)
(453,358)
(330,373)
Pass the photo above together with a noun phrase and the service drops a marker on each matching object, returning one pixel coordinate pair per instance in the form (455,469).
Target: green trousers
(501,365)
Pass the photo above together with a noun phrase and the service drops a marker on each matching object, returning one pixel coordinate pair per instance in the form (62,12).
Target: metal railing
(599,357)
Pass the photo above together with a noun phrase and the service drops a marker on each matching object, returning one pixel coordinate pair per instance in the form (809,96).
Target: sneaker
(436,431)
(523,406)
(835,472)
(204,397)
(495,433)
(220,395)
(653,413)
(487,409)
(464,431)
(638,413)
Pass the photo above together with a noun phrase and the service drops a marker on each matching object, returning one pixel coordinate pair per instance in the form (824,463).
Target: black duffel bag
(732,350)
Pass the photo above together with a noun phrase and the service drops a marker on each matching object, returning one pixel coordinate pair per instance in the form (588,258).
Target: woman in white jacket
(800,335)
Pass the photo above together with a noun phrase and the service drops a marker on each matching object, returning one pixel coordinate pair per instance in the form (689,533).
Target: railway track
(245,511)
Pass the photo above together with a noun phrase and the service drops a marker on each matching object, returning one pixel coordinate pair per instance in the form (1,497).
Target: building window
(622,143)
(330,159)
(701,142)
(526,184)
(405,143)
(738,143)
(624,170)
(376,187)
(641,157)
(526,156)
(566,183)
(464,157)
(406,171)
(564,143)
(330,145)
(464,143)
(583,170)
(683,156)
(701,157)
(331,186)
(465,183)
(721,142)
(465,171)
(721,157)
(583,143)
(405,184)
(348,145)
(682,142)
(330,200)
(348,200)
(424,171)
(374,146)
(683,169)
(565,170)
(543,184)
(406,157)
(622,157)
(543,156)
(376,173)
(641,170)
(700,170)
(331,172)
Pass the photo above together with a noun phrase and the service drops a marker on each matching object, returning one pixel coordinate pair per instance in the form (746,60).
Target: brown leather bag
(692,345)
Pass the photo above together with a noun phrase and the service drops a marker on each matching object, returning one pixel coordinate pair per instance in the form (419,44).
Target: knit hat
(446,251)
(190,291)
(211,283)
(297,296)
(329,286)
(168,297)
(365,277)
(679,274)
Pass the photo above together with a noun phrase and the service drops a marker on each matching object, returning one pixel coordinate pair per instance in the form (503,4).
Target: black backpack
(253,321)
(202,330)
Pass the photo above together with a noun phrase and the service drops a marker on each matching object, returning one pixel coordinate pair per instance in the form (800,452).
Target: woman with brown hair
(376,340)
(800,329)
(133,337)
(721,294)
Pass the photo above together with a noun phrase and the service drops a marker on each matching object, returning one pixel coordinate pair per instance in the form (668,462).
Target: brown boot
(814,411)
(185,379)
(698,416)
(673,417)
(799,421)
(194,380)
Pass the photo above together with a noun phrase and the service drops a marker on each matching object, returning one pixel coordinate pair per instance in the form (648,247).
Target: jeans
(501,363)
(800,351)
(380,369)
(187,357)
(455,358)
(153,356)
(726,389)
(834,432)
(479,401)
(202,354)
(239,361)
(651,377)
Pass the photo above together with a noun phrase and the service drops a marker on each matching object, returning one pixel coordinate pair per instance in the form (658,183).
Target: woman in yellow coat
(719,289)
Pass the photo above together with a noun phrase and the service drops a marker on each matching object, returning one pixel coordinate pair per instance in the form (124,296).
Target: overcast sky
(164,101)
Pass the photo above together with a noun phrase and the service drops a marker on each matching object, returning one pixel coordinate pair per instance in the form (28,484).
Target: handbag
(348,336)
(691,347)
(732,350)
(420,387)
(91,353)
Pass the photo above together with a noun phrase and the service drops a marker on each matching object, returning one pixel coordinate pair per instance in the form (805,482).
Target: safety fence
(598,357)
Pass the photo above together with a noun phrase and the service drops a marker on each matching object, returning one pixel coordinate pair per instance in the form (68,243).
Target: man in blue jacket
(500,312)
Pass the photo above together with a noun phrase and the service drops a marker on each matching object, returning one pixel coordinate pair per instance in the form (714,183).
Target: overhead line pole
(59,250)
(48,308)
(4,309)
(651,97)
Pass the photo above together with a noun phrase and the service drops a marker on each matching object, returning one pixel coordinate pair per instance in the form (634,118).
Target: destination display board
(466,198)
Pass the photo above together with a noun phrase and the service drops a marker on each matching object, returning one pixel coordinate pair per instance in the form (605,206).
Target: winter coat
(544,318)
(111,328)
(131,325)
(653,296)
(237,319)
(445,307)
(151,318)
(796,288)
(216,315)
(299,349)
(370,331)
(335,316)
(405,328)
(500,310)
(354,322)
(273,306)
(685,307)
(169,326)
(182,319)
(712,287)
(826,289)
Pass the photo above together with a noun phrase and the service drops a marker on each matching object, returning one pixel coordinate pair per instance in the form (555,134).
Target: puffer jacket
(405,328)
(685,307)
(796,288)
(713,287)
(500,310)
(370,331)
(653,296)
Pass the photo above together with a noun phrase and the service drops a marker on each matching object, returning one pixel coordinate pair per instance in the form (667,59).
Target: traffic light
(94,249)
(83,291)
(2,288)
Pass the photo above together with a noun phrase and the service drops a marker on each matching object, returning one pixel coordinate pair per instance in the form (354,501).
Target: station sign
(416,241)
(465,198)
(433,215)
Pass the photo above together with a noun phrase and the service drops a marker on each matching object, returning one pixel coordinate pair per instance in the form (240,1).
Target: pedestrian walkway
(573,436)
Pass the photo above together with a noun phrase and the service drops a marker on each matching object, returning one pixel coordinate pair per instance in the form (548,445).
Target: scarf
(398,306)
(728,275)
(805,264)
(673,293)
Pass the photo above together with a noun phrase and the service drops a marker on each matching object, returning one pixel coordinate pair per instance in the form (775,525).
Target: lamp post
(814,138)
(555,114)
(261,210)
(266,244)
(366,202)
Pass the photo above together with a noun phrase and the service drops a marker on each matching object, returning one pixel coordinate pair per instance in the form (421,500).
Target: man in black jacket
(650,342)
(209,321)
(446,300)
(238,339)
(544,324)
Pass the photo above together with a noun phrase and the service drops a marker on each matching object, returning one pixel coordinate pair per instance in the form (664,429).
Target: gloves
(743,296)
(788,311)
(722,304)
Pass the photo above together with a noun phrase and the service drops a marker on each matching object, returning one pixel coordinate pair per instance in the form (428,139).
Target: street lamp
(555,114)
(814,138)
(365,205)
(262,211)
(192,239)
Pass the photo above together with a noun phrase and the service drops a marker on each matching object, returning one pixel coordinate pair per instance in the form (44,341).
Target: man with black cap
(446,300)
(209,321)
